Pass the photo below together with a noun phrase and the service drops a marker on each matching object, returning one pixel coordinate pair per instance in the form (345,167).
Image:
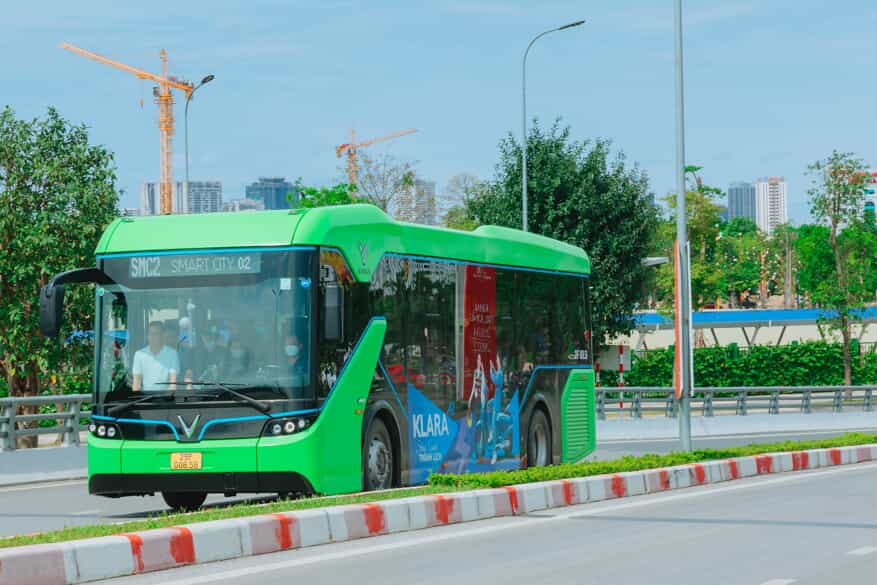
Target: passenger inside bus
(239,361)
(207,357)
(155,365)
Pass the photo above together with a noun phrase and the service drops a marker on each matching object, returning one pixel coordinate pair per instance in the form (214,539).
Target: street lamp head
(572,25)
(207,79)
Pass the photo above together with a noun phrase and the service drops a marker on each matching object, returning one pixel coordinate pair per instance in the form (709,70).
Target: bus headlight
(105,430)
(287,426)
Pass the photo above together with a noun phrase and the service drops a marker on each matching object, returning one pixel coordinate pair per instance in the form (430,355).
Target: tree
(460,190)
(815,265)
(340,194)
(458,218)
(579,193)
(57,194)
(837,199)
(738,257)
(383,179)
(703,221)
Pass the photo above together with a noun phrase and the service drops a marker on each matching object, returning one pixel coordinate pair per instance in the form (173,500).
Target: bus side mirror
(51,309)
(333,308)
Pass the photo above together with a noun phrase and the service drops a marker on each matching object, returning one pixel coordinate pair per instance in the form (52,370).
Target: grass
(437,484)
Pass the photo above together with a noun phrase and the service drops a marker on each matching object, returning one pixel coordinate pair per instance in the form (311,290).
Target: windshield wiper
(120,408)
(257,404)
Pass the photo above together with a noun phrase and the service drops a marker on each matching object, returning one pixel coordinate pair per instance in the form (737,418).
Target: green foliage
(579,193)
(458,218)
(57,194)
(628,463)
(798,364)
(340,194)
(240,510)
(837,198)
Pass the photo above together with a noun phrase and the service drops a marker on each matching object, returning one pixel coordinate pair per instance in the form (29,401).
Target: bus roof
(363,233)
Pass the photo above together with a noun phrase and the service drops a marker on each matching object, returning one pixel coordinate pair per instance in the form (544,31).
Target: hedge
(798,364)
(630,463)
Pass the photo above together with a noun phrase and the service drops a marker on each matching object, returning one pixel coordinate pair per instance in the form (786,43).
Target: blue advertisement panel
(485,438)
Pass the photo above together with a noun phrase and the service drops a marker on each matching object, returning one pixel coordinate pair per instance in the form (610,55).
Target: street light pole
(206,80)
(524,116)
(683,297)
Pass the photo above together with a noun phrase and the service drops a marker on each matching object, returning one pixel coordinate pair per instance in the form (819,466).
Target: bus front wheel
(377,457)
(539,440)
(184,501)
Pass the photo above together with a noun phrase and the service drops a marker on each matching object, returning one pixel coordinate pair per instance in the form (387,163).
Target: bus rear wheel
(184,501)
(377,457)
(539,440)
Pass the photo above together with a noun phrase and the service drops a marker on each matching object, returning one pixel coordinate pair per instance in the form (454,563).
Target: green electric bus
(328,351)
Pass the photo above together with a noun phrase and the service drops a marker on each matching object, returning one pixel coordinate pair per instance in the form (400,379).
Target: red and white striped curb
(93,559)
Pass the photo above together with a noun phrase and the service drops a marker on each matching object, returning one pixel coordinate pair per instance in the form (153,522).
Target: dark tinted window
(418,299)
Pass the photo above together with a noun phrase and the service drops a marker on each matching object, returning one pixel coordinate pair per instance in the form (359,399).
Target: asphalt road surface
(814,527)
(26,509)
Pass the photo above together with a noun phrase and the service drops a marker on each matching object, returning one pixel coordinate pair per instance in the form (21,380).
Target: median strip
(238,531)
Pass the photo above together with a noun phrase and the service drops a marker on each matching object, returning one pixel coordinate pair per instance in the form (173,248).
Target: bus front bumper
(229,484)
(257,465)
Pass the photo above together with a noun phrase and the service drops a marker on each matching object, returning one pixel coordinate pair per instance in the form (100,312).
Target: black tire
(184,501)
(378,464)
(539,453)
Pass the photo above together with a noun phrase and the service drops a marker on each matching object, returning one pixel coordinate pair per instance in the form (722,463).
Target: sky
(770,85)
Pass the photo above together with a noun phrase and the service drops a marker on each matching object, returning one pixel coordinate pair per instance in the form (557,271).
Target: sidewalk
(668,428)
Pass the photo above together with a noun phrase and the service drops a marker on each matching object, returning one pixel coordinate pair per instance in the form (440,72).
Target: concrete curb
(93,559)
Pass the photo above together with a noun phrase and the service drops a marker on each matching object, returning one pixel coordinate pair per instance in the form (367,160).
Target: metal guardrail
(68,415)
(740,400)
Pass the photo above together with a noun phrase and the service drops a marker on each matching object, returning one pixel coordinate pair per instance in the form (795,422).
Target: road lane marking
(87,513)
(37,486)
(441,536)
(779,582)
(862,551)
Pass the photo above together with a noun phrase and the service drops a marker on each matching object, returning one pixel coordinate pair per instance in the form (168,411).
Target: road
(26,509)
(815,527)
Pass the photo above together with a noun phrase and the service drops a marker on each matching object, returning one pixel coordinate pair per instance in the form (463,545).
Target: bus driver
(156,365)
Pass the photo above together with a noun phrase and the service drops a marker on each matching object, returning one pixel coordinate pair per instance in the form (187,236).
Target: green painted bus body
(329,453)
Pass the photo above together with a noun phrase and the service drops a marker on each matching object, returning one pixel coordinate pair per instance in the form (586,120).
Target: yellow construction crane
(165,101)
(351,148)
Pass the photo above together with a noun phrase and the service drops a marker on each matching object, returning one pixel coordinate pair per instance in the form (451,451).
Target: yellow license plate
(186,461)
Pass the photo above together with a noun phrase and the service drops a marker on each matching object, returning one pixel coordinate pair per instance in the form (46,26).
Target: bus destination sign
(195,265)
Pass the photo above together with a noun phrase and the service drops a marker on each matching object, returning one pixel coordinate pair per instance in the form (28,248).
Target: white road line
(87,513)
(440,536)
(25,487)
(862,551)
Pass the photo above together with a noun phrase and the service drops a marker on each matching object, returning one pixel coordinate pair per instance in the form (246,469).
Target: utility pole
(684,381)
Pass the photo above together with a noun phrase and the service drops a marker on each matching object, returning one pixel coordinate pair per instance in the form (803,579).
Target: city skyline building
(741,200)
(272,191)
(771,203)
(236,205)
(424,202)
(416,203)
(150,198)
(204,197)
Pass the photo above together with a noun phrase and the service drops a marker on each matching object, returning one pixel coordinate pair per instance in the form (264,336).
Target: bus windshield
(198,322)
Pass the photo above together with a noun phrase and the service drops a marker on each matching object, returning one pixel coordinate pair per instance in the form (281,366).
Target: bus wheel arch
(539,437)
(378,420)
